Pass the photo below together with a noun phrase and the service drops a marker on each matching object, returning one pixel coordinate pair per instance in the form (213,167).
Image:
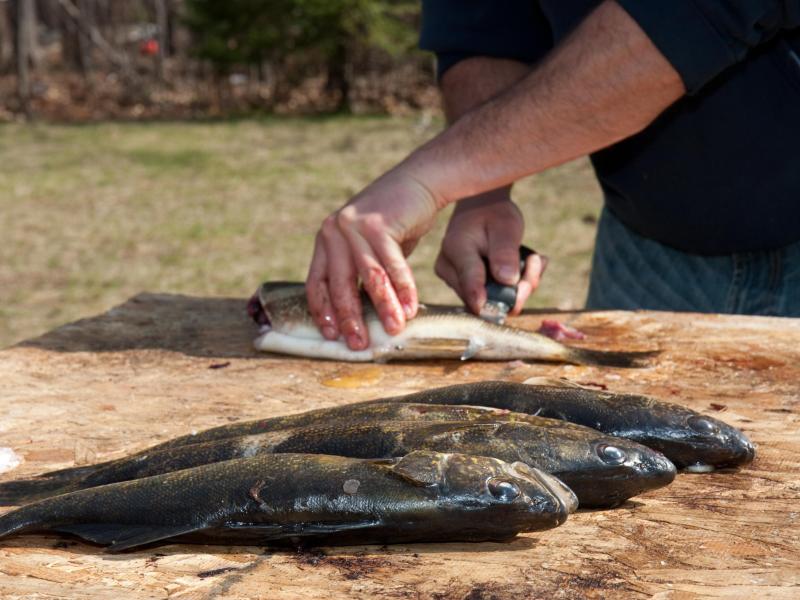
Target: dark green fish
(351,413)
(311,499)
(602,471)
(691,440)
(281,309)
(62,480)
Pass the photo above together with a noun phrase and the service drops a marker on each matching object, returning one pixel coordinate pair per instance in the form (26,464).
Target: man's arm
(605,82)
(488,224)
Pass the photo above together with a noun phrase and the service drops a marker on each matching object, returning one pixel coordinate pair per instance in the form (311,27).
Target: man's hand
(369,239)
(488,225)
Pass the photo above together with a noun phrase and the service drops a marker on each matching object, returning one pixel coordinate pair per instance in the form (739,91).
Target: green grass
(93,214)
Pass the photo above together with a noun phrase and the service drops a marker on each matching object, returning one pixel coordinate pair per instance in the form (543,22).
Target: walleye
(48,484)
(280,308)
(305,498)
(691,440)
(603,471)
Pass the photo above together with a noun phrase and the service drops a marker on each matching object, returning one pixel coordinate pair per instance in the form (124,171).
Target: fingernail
(409,312)
(391,325)
(506,273)
(354,341)
(329,332)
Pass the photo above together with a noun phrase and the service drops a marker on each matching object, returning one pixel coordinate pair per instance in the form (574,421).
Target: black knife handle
(499,292)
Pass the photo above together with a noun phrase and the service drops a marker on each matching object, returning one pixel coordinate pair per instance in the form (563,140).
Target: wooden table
(162,365)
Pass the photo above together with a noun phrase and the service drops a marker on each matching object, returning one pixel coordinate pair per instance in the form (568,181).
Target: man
(690,111)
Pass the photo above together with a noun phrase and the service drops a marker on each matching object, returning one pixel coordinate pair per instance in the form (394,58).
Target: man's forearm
(605,82)
(472,82)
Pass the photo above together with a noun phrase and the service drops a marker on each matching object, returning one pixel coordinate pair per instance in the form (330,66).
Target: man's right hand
(488,225)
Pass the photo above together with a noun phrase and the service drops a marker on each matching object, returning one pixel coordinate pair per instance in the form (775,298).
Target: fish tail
(602,358)
(24,491)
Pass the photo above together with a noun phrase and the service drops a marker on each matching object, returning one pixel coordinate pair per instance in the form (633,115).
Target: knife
(501,298)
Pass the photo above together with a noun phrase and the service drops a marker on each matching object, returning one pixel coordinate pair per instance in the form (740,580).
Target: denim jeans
(630,272)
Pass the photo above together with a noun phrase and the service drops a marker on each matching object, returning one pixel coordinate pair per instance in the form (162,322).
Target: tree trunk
(84,43)
(162,24)
(338,82)
(6,38)
(26,27)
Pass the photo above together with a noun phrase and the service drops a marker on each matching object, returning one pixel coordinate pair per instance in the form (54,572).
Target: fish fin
(24,491)
(327,528)
(585,356)
(266,532)
(119,537)
(473,347)
(430,347)
(471,428)
(420,468)
(553,382)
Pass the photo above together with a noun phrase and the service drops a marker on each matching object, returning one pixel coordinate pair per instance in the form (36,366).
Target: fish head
(471,489)
(282,306)
(694,441)
(602,470)
(608,471)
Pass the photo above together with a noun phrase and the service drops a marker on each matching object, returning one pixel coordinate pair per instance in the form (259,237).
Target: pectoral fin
(473,348)
(119,537)
(421,468)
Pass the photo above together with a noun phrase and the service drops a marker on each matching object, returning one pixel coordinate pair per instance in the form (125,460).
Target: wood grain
(162,365)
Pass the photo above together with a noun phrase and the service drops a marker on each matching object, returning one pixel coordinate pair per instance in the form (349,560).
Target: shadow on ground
(207,327)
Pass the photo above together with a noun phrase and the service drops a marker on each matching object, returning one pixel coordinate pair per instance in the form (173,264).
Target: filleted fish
(281,310)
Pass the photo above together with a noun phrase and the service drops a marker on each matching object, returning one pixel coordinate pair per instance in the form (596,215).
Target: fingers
(465,274)
(535,267)
(504,237)
(318,294)
(342,285)
(392,258)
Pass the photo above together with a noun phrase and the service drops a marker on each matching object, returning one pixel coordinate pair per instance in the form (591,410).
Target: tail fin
(25,491)
(601,358)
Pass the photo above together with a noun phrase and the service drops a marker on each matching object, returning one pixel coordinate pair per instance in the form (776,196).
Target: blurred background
(194,146)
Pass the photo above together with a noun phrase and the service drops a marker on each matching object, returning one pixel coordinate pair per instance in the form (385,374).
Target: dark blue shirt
(719,171)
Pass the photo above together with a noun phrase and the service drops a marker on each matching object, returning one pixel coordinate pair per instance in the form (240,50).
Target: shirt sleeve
(459,29)
(702,38)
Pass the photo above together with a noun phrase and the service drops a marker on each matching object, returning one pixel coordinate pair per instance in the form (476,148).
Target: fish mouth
(563,496)
(255,311)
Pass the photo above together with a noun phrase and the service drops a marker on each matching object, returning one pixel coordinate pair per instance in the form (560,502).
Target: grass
(94,214)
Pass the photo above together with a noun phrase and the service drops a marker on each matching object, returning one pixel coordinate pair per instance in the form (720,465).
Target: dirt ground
(93,214)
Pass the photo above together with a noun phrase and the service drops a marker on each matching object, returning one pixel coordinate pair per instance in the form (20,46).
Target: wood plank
(162,365)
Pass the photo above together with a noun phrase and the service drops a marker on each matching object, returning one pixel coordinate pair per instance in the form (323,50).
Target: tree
(334,32)
(25,43)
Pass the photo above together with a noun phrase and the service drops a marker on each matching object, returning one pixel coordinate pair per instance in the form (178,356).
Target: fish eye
(703,425)
(506,491)
(611,454)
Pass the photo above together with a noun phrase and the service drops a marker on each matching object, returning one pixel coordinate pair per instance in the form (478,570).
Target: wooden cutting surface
(161,365)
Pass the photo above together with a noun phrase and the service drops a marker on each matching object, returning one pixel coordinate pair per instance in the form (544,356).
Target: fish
(48,484)
(286,327)
(309,499)
(603,471)
(691,440)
